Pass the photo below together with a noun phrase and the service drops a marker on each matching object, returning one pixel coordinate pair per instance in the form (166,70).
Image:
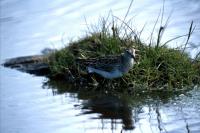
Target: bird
(111,66)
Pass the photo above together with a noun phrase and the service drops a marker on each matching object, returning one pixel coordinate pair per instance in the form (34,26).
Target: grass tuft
(160,67)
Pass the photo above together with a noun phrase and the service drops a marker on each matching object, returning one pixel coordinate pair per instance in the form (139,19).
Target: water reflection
(115,108)
(111,107)
(154,112)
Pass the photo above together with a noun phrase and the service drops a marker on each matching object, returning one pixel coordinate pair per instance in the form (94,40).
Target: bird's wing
(105,63)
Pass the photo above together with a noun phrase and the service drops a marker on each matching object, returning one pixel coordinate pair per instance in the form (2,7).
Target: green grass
(160,67)
(163,66)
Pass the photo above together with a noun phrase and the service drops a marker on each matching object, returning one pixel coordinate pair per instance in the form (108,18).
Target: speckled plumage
(109,66)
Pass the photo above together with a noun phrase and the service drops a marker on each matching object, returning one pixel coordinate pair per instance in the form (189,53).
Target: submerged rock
(36,64)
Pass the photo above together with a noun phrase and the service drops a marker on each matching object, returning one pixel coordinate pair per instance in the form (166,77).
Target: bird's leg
(94,81)
(71,76)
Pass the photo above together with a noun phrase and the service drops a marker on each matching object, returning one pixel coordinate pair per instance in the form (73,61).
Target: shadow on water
(120,108)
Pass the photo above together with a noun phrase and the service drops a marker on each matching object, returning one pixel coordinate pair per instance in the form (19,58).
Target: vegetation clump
(159,66)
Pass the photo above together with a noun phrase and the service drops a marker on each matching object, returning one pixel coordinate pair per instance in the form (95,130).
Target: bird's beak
(133,57)
(136,50)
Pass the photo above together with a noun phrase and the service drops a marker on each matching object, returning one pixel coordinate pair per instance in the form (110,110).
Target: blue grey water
(27,106)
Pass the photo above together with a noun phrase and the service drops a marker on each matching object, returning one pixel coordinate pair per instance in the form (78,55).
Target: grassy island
(159,67)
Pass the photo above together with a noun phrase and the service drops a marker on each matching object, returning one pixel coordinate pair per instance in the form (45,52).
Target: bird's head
(131,53)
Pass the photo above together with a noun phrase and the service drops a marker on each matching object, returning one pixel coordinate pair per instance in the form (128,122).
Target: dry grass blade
(127,13)
(191,30)
(132,31)
(151,36)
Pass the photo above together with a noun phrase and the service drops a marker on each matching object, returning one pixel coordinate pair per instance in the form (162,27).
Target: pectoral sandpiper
(110,67)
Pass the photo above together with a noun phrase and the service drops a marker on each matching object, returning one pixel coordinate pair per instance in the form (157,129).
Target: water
(29,104)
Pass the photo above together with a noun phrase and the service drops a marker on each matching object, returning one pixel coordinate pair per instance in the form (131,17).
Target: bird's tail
(90,69)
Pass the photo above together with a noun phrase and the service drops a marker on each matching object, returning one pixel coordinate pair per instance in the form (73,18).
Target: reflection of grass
(159,67)
(87,92)
(122,106)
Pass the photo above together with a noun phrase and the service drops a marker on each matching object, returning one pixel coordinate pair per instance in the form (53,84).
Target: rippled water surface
(30,104)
